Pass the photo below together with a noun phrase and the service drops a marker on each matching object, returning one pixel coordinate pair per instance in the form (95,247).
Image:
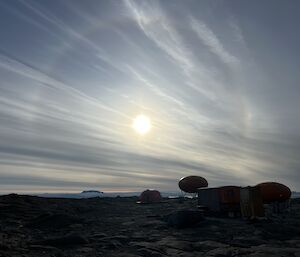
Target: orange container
(190,184)
(273,191)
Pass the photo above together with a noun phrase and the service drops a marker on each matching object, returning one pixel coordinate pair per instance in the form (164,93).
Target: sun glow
(141,124)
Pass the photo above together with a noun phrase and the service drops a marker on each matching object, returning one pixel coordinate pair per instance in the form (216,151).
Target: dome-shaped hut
(150,196)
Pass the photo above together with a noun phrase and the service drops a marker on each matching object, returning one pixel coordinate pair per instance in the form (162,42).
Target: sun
(141,124)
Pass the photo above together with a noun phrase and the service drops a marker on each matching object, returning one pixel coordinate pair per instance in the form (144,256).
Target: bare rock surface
(32,226)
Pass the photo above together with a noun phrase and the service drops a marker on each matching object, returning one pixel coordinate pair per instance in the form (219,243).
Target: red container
(229,194)
(273,191)
(190,184)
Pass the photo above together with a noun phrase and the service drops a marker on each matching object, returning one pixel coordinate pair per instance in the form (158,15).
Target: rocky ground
(32,226)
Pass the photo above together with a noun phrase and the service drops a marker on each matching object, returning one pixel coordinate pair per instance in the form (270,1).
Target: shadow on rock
(184,218)
(53,221)
(63,241)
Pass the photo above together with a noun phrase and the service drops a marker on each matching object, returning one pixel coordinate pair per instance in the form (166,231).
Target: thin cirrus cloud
(212,42)
(70,91)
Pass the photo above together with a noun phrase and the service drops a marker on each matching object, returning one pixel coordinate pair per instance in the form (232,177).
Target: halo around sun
(141,124)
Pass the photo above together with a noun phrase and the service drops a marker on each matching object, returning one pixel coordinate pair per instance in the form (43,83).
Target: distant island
(91,191)
(295,194)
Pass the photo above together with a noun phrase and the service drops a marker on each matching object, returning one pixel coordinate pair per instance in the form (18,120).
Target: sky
(219,81)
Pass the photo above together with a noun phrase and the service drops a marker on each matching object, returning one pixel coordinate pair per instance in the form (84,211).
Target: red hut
(150,196)
(274,192)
